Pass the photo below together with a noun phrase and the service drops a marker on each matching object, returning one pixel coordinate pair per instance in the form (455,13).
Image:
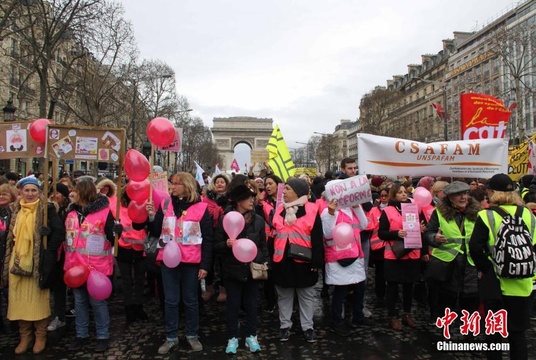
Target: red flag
(234,166)
(482,117)
(439,109)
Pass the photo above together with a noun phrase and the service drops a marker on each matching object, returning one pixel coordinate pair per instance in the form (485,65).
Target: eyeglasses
(5,195)
(384,196)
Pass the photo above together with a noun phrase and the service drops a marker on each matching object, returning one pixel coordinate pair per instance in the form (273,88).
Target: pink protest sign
(410,223)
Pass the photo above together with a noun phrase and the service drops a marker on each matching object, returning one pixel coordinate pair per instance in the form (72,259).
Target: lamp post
(9,115)
(9,111)
(445,104)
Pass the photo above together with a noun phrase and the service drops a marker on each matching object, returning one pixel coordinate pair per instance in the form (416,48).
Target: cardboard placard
(259,156)
(84,143)
(16,142)
(176,145)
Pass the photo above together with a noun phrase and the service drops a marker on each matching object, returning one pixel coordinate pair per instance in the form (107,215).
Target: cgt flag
(482,117)
(279,157)
(234,166)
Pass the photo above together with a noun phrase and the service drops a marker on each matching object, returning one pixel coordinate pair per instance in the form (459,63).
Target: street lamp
(9,111)
(445,105)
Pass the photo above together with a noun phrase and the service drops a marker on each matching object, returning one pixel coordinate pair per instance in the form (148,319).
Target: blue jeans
(82,300)
(178,281)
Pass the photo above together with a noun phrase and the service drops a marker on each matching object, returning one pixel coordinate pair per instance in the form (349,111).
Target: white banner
(349,192)
(380,155)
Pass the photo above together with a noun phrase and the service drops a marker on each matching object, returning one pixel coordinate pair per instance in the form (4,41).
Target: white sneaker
(366,312)
(55,324)
(167,346)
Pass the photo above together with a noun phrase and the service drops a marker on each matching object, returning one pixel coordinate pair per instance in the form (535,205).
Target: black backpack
(513,254)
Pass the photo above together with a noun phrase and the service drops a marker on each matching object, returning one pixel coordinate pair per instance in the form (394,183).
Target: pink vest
(130,238)
(191,254)
(332,254)
(76,251)
(373,217)
(395,223)
(298,233)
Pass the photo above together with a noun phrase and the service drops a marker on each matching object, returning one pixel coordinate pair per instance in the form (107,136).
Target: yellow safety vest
(509,287)
(456,241)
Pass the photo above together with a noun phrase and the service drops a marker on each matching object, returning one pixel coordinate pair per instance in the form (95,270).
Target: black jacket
(253,230)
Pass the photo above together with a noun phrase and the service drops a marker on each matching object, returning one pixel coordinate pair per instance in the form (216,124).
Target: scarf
(24,235)
(292,208)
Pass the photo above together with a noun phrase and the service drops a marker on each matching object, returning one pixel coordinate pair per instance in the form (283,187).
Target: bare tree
(95,92)
(374,110)
(53,26)
(516,47)
(326,152)
(197,145)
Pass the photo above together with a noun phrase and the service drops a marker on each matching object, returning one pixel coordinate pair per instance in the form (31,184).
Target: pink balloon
(233,224)
(422,197)
(172,254)
(99,285)
(158,197)
(138,190)
(160,131)
(343,234)
(136,165)
(38,130)
(137,212)
(244,250)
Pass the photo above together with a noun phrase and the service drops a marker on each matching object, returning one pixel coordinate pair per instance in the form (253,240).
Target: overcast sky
(305,64)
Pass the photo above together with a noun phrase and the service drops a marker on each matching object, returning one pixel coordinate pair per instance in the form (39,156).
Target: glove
(45,230)
(118,228)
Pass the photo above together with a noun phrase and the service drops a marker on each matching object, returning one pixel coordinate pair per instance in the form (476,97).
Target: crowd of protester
(41,238)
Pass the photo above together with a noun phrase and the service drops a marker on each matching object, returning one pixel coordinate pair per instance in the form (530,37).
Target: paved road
(142,339)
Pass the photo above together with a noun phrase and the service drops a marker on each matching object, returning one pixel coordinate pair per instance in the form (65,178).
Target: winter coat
(44,260)
(463,278)
(253,230)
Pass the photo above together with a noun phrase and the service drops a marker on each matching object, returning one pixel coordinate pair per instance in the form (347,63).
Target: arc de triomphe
(229,132)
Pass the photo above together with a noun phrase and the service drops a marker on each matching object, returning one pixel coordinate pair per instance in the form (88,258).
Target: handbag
(258,271)
(399,250)
(150,245)
(438,270)
(300,252)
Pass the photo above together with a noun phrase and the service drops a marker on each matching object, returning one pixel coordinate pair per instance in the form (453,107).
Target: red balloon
(160,131)
(138,190)
(38,130)
(137,212)
(76,276)
(136,165)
